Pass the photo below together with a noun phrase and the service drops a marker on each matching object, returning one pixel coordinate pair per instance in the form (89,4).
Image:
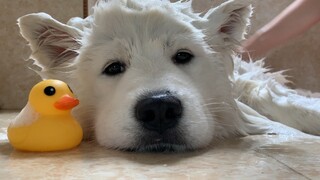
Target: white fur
(267,94)
(145,35)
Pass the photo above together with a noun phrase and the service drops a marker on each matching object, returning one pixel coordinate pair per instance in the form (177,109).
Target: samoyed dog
(152,75)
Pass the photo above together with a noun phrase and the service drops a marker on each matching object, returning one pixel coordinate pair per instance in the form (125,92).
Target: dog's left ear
(53,44)
(225,25)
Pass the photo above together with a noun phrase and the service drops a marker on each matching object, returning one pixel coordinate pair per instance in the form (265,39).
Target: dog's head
(150,75)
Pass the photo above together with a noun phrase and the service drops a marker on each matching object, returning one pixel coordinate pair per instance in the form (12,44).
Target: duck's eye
(114,69)
(49,91)
(182,57)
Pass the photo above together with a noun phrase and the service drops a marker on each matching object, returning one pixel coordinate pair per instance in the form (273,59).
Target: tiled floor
(276,156)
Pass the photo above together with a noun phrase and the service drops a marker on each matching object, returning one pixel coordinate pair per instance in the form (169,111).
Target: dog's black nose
(159,112)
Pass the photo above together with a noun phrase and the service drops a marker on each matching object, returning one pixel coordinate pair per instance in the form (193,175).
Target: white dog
(154,76)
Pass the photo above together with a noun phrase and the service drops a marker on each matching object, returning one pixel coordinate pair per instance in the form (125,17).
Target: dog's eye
(182,57)
(114,69)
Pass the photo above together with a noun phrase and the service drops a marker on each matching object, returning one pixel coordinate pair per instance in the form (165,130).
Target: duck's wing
(26,117)
(18,130)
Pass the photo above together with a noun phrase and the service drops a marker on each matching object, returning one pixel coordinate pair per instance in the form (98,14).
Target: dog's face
(149,76)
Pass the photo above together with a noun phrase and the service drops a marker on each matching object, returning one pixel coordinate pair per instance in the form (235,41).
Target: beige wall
(302,55)
(15,78)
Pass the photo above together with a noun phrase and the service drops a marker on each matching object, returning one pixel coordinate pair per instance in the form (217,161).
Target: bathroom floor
(274,156)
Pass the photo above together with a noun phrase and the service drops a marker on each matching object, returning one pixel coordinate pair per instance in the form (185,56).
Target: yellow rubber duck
(46,123)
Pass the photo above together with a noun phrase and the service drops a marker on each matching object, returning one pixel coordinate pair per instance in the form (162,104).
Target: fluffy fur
(144,36)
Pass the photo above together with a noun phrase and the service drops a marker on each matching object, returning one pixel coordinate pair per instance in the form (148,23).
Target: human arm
(297,18)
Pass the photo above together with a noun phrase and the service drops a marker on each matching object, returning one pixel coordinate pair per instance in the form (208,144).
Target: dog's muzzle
(159,112)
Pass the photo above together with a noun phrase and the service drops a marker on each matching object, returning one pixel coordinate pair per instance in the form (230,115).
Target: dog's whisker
(216,106)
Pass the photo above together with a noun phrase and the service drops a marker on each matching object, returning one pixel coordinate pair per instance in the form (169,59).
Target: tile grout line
(292,169)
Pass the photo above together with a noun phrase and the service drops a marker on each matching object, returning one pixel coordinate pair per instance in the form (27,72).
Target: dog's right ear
(52,43)
(225,25)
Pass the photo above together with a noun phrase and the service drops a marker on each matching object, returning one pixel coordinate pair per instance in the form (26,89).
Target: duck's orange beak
(66,102)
